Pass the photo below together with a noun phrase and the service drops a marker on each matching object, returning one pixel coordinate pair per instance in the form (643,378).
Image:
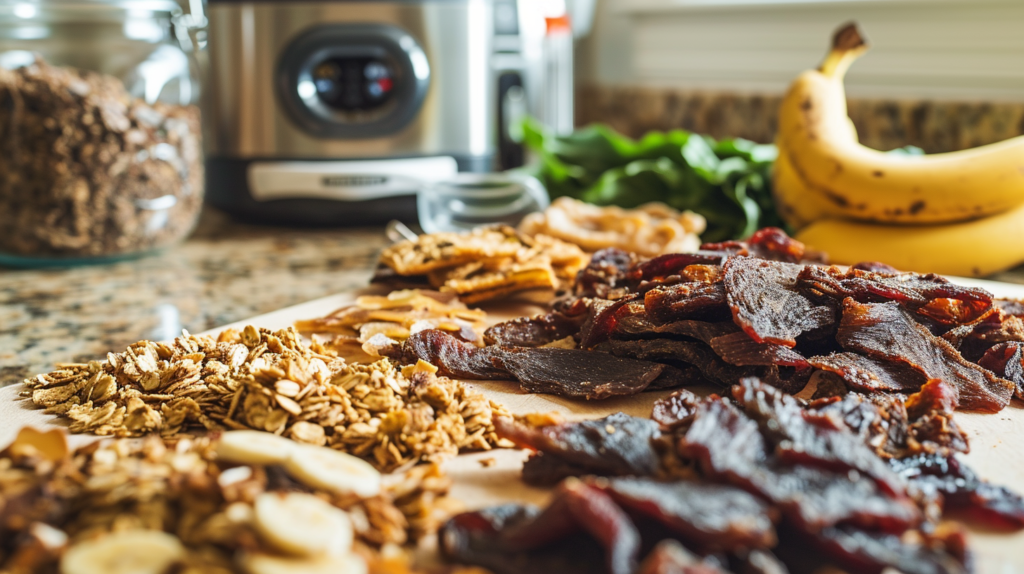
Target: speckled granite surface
(226,272)
(882,124)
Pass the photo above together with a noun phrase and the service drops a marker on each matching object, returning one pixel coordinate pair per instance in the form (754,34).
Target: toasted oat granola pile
(177,505)
(274,382)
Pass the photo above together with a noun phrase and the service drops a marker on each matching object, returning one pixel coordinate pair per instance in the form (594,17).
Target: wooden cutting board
(997,440)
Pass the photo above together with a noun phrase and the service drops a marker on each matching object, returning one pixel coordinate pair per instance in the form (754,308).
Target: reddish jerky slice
(690,352)
(931,295)
(693,300)
(866,374)
(606,273)
(729,446)
(766,243)
(577,506)
(1013,307)
(641,327)
(805,437)
(861,551)
(675,410)
(452,357)
(670,264)
(707,517)
(739,349)
(765,303)
(1007,361)
(583,374)
(874,267)
(670,557)
(541,329)
(566,372)
(617,445)
(885,331)
(603,318)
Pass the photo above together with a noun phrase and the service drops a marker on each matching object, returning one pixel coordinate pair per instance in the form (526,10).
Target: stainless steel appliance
(335,112)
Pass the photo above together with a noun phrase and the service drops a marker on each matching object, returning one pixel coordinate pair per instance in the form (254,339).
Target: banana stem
(847,46)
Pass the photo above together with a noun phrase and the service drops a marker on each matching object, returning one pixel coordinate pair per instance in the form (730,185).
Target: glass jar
(100,140)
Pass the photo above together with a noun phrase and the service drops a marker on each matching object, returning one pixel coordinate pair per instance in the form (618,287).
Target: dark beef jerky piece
(617,445)
(670,557)
(930,295)
(452,357)
(996,328)
(728,445)
(708,518)
(765,304)
(639,326)
(577,506)
(548,470)
(582,531)
(606,275)
(739,349)
(756,562)
(874,267)
(671,264)
(691,300)
(962,490)
(866,374)
(880,421)
(930,414)
(864,552)
(807,437)
(1006,360)
(539,330)
(769,243)
(689,352)
(602,320)
(675,410)
(884,330)
(1013,307)
(576,373)
(571,373)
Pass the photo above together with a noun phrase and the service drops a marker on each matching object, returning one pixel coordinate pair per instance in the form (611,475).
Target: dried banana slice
(301,524)
(267,564)
(334,471)
(254,447)
(130,552)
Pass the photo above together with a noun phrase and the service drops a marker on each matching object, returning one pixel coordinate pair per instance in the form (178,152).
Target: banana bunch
(959,213)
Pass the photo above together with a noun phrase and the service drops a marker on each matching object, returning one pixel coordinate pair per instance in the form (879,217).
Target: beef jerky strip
(692,300)
(1007,361)
(930,295)
(539,330)
(480,538)
(804,437)
(605,277)
(765,303)
(868,375)
(739,349)
(766,243)
(670,557)
(617,445)
(676,410)
(885,331)
(639,326)
(603,318)
(859,551)
(671,264)
(566,372)
(728,445)
(709,518)
(962,489)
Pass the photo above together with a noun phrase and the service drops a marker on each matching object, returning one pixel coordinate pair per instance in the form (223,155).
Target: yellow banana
(874,186)
(798,203)
(970,248)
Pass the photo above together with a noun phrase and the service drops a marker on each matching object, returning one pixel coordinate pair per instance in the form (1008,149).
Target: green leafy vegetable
(727,181)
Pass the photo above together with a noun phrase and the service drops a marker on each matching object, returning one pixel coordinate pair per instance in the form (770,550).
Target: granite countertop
(227,271)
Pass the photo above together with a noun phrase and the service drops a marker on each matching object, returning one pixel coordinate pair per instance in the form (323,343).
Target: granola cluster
(87,170)
(273,382)
(152,505)
(483,264)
